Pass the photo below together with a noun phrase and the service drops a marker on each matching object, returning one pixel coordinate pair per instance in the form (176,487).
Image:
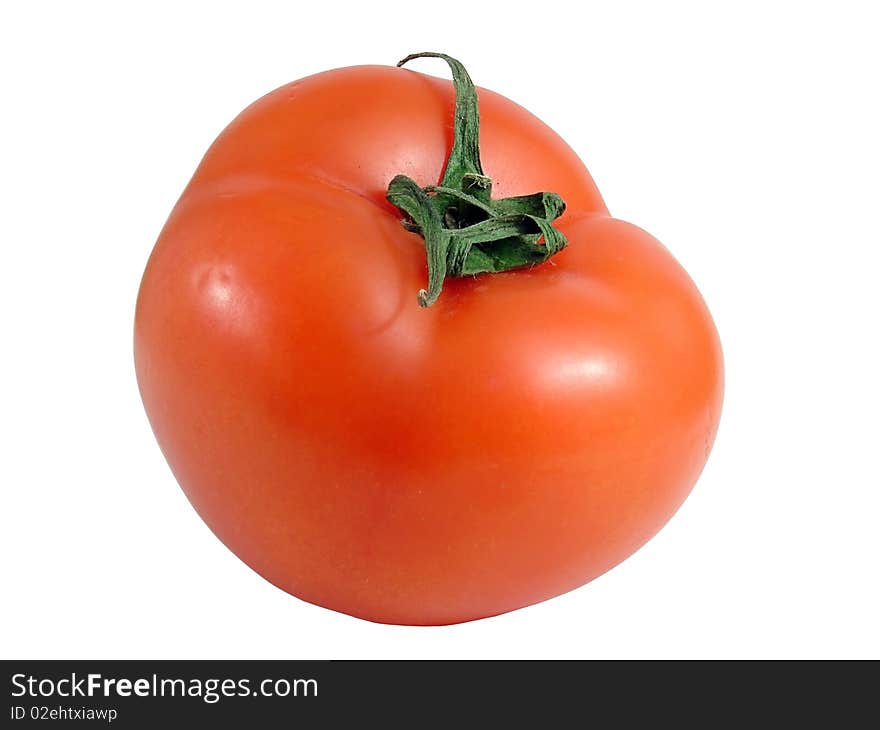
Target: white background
(746,139)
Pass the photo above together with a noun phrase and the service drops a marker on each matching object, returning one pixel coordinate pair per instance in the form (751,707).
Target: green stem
(465,231)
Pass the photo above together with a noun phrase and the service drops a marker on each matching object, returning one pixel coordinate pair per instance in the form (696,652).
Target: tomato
(409,464)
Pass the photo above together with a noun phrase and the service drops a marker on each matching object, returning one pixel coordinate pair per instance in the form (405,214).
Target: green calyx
(465,231)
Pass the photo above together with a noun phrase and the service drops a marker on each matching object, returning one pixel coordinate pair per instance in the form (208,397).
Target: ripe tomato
(404,464)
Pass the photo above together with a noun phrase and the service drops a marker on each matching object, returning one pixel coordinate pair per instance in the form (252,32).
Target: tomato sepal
(465,231)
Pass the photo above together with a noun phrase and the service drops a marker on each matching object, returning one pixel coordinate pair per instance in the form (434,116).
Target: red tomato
(403,464)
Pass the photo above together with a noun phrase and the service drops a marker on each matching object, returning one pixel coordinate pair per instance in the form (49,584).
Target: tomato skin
(520,437)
